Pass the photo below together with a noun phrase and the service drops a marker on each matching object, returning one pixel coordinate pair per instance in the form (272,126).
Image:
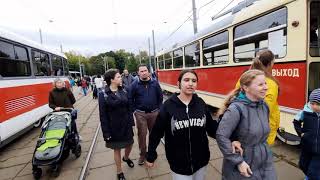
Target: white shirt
(98,82)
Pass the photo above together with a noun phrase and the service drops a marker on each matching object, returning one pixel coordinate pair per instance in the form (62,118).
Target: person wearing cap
(307,126)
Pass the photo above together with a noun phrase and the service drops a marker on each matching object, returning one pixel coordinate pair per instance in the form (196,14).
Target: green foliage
(119,59)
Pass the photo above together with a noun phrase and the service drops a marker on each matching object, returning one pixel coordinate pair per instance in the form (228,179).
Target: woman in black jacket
(116,119)
(184,120)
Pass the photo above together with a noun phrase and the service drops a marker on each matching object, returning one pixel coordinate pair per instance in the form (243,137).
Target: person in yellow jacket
(264,62)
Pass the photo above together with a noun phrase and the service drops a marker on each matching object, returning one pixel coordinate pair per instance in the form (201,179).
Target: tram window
(21,53)
(6,50)
(245,52)
(314,28)
(161,64)
(266,32)
(41,64)
(57,66)
(215,49)
(44,58)
(13,63)
(168,60)
(207,60)
(314,74)
(177,58)
(192,55)
(65,67)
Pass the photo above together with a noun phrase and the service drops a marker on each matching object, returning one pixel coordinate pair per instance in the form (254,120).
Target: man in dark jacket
(127,79)
(145,98)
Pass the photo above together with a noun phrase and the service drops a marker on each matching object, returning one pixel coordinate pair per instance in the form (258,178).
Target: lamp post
(41,37)
(106,64)
(40,33)
(80,69)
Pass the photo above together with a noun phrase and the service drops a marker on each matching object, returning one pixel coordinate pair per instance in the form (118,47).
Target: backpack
(233,136)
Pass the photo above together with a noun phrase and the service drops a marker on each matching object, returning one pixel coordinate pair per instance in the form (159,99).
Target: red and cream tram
(27,71)
(222,52)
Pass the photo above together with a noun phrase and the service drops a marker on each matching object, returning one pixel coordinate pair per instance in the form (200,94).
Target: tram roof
(235,15)
(22,40)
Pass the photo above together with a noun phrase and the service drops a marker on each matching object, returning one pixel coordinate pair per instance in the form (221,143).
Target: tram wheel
(37,173)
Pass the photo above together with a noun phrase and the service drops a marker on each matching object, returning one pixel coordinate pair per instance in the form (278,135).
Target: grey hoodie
(251,128)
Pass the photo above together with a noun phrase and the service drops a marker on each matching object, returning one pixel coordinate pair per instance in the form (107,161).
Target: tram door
(314,46)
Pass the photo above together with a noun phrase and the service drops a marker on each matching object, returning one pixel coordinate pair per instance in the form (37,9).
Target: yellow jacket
(272,100)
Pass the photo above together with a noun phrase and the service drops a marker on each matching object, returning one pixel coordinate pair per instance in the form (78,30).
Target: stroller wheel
(37,172)
(65,154)
(77,151)
(56,170)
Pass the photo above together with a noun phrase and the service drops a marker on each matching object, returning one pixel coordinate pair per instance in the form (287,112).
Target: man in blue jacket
(145,98)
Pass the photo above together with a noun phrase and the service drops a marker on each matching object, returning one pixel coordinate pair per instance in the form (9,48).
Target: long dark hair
(263,62)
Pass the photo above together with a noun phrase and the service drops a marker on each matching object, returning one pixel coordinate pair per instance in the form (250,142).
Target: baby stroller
(56,139)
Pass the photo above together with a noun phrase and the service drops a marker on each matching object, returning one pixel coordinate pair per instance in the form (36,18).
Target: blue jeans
(84,91)
(314,168)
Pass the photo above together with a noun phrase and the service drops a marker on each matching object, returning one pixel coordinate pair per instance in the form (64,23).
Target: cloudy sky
(93,26)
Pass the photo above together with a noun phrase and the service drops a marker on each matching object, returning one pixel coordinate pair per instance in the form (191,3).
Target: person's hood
(242,98)
(307,108)
(174,98)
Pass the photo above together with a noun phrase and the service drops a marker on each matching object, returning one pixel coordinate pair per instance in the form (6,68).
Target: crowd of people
(247,125)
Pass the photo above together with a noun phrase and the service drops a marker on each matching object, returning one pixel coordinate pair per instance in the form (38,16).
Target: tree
(73,61)
(119,59)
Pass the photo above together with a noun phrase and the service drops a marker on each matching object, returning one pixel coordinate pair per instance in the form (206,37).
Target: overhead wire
(189,17)
(223,9)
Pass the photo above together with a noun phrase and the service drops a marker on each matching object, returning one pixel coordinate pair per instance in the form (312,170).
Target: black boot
(121,176)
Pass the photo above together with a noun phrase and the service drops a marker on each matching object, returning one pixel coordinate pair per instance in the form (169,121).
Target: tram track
(35,136)
(18,154)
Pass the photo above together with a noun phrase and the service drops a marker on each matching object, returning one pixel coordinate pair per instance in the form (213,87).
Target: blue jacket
(145,97)
(308,123)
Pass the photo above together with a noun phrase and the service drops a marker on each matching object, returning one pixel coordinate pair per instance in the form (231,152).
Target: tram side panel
(215,83)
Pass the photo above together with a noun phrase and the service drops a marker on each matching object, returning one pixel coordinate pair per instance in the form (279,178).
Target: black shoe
(129,162)
(121,176)
(141,161)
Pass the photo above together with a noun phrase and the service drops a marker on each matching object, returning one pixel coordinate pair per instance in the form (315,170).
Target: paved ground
(15,159)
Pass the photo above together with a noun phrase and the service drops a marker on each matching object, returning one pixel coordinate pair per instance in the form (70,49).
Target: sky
(91,27)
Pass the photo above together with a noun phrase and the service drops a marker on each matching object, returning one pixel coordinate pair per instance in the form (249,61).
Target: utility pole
(40,33)
(105,67)
(107,63)
(154,50)
(80,69)
(139,55)
(194,10)
(149,53)
(61,48)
